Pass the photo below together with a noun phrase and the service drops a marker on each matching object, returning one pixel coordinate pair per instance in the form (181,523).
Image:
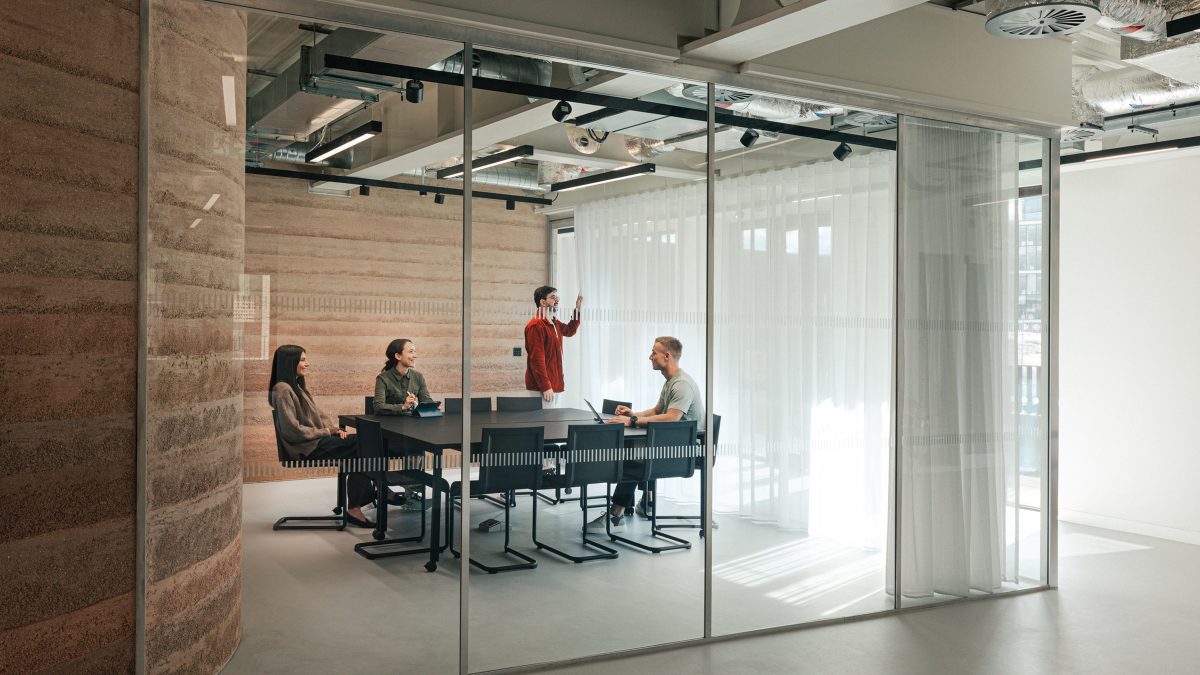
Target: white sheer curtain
(957,356)
(641,272)
(803,346)
(803,339)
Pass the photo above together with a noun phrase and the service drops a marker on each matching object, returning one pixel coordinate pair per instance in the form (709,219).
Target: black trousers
(360,490)
(627,489)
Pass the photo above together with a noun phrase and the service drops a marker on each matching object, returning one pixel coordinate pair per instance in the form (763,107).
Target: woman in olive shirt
(399,388)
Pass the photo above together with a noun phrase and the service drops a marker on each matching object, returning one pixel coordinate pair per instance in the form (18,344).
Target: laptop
(427,409)
(600,417)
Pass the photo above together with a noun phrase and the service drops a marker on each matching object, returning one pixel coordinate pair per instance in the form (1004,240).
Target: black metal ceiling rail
(1153,112)
(347,63)
(415,187)
(1176,144)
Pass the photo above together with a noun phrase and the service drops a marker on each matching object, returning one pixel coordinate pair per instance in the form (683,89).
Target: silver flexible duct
(1137,19)
(1126,90)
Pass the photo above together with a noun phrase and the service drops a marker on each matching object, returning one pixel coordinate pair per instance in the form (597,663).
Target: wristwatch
(633,420)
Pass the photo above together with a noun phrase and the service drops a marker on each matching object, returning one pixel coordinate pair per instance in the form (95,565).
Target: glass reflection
(803,291)
(611,317)
(969,376)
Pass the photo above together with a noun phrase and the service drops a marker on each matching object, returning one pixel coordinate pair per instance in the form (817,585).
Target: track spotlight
(561,110)
(510,205)
(749,138)
(414,91)
(842,151)
(364,190)
(422,193)
(439,198)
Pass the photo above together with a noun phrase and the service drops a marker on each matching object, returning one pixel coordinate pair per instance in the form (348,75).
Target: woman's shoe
(355,522)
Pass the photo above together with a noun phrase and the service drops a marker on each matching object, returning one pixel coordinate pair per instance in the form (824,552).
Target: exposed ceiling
(1131,86)
(296,105)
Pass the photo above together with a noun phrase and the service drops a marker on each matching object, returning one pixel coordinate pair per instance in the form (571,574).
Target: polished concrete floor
(1126,604)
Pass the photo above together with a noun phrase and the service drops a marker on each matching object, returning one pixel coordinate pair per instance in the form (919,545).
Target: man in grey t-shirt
(680,399)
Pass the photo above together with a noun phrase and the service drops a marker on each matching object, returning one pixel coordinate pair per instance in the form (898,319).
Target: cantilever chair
(523,404)
(670,453)
(510,458)
(703,486)
(371,449)
(334,522)
(607,407)
(593,456)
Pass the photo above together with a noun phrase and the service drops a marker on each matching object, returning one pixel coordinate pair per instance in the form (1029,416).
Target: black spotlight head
(749,138)
(510,205)
(422,193)
(364,190)
(439,198)
(842,151)
(414,91)
(561,110)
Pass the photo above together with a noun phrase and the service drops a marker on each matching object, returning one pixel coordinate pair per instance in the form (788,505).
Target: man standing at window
(543,345)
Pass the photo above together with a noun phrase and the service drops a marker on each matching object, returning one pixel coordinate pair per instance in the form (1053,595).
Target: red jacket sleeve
(569,329)
(535,351)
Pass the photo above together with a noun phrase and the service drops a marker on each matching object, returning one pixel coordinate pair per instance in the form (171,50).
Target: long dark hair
(283,369)
(394,347)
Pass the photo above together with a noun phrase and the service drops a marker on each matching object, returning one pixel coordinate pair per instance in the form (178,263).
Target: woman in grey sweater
(307,432)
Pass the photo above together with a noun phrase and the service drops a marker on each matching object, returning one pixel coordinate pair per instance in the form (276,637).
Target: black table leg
(436,526)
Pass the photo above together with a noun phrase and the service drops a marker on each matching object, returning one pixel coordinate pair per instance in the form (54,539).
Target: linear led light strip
(1131,154)
(344,142)
(487,161)
(602,178)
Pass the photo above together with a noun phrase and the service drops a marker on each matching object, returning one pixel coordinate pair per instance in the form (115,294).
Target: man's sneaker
(642,509)
(617,523)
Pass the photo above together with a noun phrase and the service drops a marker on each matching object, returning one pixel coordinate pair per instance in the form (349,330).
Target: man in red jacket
(543,345)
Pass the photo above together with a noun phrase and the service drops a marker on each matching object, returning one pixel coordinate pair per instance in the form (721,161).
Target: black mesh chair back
(283,453)
(478,404)
(369,405)
(594,453)
(518,403)
(370,439)
(510,458)
(609,406)
(671,450)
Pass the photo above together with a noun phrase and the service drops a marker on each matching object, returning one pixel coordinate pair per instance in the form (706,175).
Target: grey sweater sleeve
(380,404)
(290,425)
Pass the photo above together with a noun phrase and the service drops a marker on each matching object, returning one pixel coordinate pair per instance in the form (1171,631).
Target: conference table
(406,436)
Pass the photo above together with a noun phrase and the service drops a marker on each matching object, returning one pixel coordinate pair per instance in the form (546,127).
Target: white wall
(1130,345)
(938,57)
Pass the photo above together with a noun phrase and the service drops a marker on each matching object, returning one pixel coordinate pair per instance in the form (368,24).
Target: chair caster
(378,534)
(701,534)
(337,510)
(568,490)
(430,566)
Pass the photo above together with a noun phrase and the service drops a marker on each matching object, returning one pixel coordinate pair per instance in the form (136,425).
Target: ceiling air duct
(1029,19)
(1137,19)
(767,107)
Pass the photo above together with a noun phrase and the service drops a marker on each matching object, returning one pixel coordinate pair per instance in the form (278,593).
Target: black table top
(436,433)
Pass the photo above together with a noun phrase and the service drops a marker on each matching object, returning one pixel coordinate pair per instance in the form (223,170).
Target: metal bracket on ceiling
(314,83)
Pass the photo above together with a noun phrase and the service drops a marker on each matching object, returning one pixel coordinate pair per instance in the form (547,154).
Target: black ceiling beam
(393,185)
(392,70)
(1184,24)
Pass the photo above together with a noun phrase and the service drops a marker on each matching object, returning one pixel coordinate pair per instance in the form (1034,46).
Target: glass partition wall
(828,321)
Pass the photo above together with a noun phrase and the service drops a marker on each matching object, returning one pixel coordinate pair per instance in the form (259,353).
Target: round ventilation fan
(1026,19)
(1075,134)
(862,118)
(699,92)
